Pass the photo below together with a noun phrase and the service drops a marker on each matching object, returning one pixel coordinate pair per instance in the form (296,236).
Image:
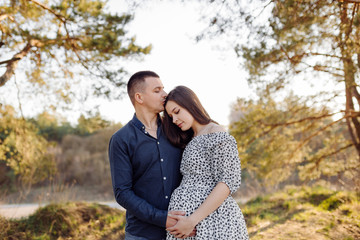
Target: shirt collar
(137,123)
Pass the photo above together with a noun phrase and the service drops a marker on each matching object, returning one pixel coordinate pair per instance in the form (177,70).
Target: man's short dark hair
(136,83)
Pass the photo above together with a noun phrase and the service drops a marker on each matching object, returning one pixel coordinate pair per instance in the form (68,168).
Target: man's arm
(121,176)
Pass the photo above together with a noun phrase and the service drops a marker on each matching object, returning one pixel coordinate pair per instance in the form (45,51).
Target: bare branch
(324,55)
(62,18)
(293,60)
(350,1)
(19,99)
(8,61)
(297,59)
(276,125)
(356,94)
(300,120)
(12,63)
(306,140)
(336,151)
(350,27)
(4,16)
(325,69)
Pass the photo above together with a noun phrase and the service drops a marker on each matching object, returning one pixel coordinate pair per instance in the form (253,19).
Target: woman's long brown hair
(187,99)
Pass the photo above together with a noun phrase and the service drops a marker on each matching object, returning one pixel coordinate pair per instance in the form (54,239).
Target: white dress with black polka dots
(207,160)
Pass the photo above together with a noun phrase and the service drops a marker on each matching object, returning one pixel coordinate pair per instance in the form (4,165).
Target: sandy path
(17,211)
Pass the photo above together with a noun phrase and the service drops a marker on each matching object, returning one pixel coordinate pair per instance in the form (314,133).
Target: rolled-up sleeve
(122,177)
(226,163)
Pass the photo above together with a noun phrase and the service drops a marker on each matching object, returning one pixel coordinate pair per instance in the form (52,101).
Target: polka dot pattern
(207,160)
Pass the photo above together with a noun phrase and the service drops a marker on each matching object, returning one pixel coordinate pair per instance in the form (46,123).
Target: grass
(299,213)
(74,220)
(304,213)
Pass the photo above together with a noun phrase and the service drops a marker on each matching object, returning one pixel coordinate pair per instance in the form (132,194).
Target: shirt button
(164,178)
(166,197)
(158,143)
(161,160)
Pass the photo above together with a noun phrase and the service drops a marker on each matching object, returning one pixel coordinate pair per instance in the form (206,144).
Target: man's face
(154,94)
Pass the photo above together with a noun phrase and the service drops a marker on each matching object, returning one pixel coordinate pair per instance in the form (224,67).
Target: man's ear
(139,98)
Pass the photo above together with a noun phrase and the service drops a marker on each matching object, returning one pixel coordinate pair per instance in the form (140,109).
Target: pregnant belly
(188,198)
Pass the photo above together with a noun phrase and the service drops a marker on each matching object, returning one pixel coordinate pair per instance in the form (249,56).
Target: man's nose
(164,94)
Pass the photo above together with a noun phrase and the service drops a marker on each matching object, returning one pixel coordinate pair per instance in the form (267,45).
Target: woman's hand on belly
(171,220)
(184,227)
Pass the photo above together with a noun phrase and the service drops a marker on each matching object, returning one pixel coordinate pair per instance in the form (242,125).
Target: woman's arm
(227,173)
(185,225)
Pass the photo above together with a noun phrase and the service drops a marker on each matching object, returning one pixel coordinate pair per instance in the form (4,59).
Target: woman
(211,172)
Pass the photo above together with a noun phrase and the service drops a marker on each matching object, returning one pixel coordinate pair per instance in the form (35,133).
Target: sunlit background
(297,139)
(210,68)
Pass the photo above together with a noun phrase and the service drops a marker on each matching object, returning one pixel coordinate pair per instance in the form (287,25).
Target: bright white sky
(171,27)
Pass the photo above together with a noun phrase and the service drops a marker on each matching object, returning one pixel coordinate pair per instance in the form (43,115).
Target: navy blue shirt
(144,172)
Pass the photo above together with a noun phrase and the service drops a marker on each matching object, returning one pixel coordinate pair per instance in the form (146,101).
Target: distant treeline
(280,142)
(42,149)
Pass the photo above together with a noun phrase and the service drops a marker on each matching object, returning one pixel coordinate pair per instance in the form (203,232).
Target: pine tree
(56,43)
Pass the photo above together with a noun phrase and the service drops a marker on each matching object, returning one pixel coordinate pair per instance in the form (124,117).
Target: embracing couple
(174,174)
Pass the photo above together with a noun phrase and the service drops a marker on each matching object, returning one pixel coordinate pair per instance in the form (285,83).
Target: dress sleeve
(226,163)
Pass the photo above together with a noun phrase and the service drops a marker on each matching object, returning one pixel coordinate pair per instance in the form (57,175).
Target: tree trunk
(351,92)
(12,63)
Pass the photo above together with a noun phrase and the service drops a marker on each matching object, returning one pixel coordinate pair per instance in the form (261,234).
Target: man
(145,167)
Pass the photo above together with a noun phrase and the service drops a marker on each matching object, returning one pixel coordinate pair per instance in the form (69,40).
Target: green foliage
(41,149)
(26,153)
(7,178)
(287,139)
(335,201)
(283,42)
(59,43)
(286,38)
(91,124)
(76,220)
(49,127)
(53,128)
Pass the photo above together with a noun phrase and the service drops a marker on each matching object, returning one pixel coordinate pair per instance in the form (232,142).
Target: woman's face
(180,116)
